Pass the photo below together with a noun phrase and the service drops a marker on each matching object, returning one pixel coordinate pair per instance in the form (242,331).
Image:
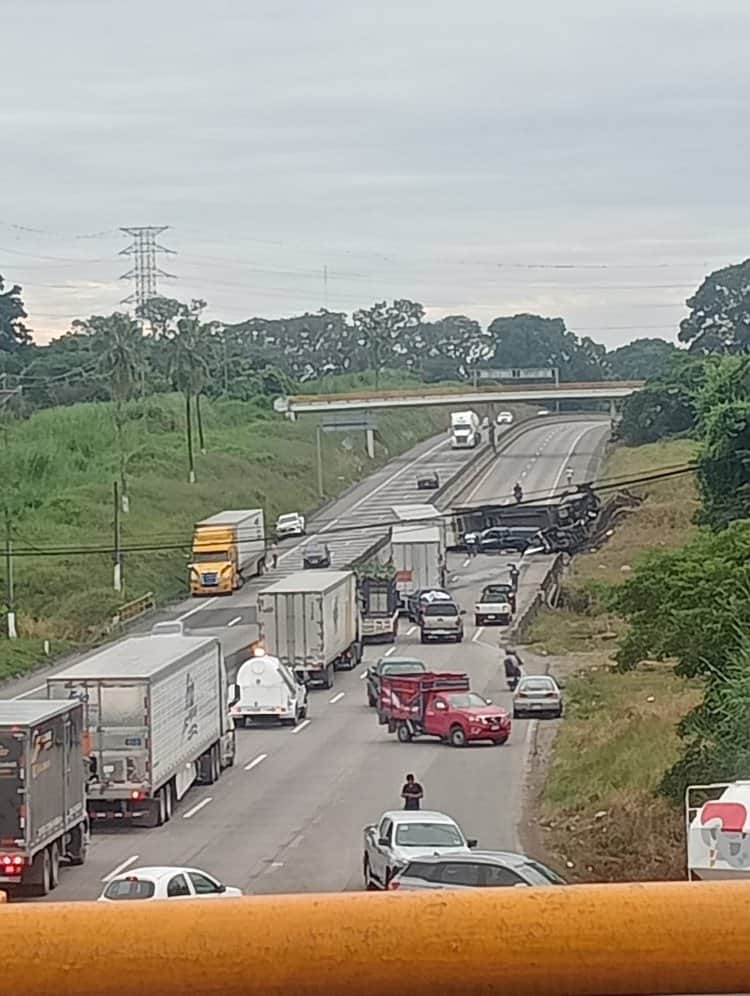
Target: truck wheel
(169,801)
(40,871)
(54,865)
(478,621)
(403,733)
(79,845)
(457,737)
(328,680)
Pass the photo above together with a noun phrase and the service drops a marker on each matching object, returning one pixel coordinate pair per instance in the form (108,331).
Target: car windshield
(498,592)
(288,519)
(211,557)
(441,609)
(314,551)
(428,835)
(435,596)
(538,685)
(467,700)
(408,667)
(542,871)
(129,888)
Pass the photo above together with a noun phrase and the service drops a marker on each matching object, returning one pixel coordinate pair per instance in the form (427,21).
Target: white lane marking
(298,729)
(412,630)
(197,608)
(466,562)
(197,808)
(120,868)
(32,693)
(274,866)
(523,473)
(234,621)
(363,675)
(566,462)
(337,698)
(388,653)
(530,731)
(297,840)
(478,635)
(255,762)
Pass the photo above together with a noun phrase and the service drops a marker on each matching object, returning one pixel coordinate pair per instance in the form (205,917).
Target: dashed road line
(411,631)
(337,698)
(120,868)
(302,726)
(478,635)
(235,621)
(363,675)
(255,762)
(391,650)
(198,608)
(197,808)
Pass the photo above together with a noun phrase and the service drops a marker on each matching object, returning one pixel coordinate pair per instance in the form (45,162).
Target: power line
(144,249)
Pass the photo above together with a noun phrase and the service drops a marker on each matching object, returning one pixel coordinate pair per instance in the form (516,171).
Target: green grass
(57,472)
(598,804)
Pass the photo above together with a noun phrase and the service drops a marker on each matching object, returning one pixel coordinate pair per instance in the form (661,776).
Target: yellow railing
(658,938)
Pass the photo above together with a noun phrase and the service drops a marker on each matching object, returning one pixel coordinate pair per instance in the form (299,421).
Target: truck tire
(54,865)
(328,680)
(478,621)
(403,733)
(38,880)
(457,737)
(169,801)
(79,845)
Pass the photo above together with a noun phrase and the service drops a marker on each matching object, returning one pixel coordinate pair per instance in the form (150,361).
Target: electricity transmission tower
(144,271)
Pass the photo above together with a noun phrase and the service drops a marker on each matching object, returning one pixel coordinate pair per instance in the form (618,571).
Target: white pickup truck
(400,836)
(494,606)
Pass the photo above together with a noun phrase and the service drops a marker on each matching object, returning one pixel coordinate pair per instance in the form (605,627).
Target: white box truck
(156,721)
(310,621)
(228,548)
(465,433)
(419,558)
(266,689)
(43,778)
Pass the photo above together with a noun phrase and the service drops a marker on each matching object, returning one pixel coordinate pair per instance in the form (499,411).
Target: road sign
(349,422)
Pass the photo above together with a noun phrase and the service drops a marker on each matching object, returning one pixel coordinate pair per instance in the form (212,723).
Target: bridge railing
(631,938)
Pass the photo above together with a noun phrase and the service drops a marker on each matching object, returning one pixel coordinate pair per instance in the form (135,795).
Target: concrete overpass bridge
(414,397)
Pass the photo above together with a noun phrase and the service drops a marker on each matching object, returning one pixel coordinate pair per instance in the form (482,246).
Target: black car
(499,538)
(316,555)
(428,481)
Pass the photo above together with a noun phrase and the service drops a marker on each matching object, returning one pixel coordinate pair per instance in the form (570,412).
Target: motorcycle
(518,492)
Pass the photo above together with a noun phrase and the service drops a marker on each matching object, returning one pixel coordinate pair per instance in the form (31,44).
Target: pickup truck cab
(440,704)
(403,835)
(389,665)
(494,605)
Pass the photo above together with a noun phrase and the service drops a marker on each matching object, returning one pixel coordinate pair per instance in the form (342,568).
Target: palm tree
(189,370)
(122,362)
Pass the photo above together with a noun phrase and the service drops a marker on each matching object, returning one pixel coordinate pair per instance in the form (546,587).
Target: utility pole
(325,287)
(226,364)
(12,631)
(319,435)
(117,556)
(144,271)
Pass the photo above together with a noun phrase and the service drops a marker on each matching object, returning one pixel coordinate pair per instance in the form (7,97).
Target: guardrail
(630,938)
(133,610)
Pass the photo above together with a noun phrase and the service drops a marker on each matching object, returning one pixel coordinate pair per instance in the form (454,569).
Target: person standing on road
(513,571)
(274,555)
(472,544)
(412,793)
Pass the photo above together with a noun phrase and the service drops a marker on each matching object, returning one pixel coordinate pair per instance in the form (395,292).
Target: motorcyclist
(569,475)
(513,667)
(518,491)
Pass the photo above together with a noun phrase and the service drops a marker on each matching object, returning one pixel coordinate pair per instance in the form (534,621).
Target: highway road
(289,816)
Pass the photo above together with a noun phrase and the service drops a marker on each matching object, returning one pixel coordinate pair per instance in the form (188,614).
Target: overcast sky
(586,159)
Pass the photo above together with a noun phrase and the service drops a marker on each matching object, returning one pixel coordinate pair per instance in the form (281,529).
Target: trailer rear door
(11,785)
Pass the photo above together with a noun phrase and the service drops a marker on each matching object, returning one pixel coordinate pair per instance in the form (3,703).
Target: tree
(532,341)
(719,319)
(13,333)
(452,348)
(641,359)
(189,351)
(381,334)
(666,406)
(118,343)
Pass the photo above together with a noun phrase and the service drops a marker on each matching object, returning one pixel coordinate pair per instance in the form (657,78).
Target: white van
(266,689)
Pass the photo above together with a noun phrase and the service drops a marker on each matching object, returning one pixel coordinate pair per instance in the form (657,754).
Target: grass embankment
(598,810)
(57,473)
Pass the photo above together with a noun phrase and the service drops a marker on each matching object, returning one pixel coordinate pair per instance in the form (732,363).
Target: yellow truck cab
(227,549)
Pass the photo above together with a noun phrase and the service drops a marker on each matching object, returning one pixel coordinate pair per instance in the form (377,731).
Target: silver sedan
(480,869)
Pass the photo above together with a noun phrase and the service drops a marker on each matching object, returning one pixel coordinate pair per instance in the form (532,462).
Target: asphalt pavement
(289,816)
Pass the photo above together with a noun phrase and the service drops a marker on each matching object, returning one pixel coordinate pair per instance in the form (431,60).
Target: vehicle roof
(289,515)
(138,656)
(415,511)
(501,857)
(417,816)
(401,660)
(155,872)
(537,677)
(416,534)
(314,543)
(230,517)
(29,712)
(304,581)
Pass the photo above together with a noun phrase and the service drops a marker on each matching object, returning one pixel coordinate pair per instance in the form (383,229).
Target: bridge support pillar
(612,408)
(370,434)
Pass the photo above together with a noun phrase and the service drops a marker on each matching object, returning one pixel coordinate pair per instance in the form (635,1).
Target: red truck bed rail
(402,695)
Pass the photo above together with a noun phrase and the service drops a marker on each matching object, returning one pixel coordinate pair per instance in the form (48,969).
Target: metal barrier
(631,938)
(132,610)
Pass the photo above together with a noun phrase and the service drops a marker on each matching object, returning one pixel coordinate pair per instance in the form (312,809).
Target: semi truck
(310,621)
(419,559)
(43,777)
(156,720)
(228,548)
(465,432)
(378,594)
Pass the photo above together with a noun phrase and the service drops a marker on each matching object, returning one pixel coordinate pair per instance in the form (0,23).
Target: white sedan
(291,524)
(165,883)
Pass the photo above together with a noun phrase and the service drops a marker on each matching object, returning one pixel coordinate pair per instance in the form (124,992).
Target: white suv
(291,524)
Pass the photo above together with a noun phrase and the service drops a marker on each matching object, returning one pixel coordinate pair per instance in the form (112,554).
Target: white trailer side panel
(186,714)
(250,538)
(418,555)
(340,617)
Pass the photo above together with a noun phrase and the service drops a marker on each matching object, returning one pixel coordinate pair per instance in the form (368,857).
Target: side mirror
(222,887)
(369,828)
(384,842)
(488,701)
(472,842)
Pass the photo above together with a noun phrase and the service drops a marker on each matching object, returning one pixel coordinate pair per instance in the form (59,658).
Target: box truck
(43,776)
(156,720)
(228,548)
(464,430)
(266,689)
(310,621)
(419,558)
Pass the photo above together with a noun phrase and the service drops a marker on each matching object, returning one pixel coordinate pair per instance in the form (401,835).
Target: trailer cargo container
(156,721)
(419,558)
(310,621)
(228,548)
(43,776)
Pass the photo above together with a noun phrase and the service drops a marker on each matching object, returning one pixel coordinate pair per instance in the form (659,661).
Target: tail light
(136,794)
(393,885)
(11,864)
(550,695)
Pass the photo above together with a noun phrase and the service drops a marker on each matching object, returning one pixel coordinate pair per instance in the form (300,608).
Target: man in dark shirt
(412,793)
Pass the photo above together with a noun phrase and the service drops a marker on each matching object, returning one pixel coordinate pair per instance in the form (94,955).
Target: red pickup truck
(439,704)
